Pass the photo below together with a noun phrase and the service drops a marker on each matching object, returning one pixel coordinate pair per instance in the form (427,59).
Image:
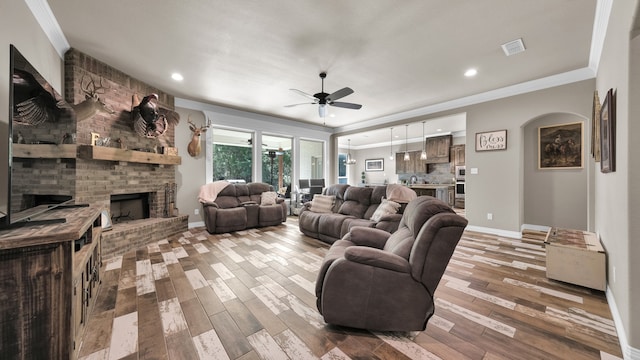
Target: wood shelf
(44,151)
(89,152)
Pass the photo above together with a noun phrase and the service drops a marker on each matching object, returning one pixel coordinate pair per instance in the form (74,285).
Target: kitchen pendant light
(423,155)
(350,160)
(406,143)
(391,157)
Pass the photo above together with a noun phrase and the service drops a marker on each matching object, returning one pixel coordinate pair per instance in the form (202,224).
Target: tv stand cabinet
(49,279)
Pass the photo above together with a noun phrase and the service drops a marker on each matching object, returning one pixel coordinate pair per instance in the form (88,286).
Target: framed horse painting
(561,146)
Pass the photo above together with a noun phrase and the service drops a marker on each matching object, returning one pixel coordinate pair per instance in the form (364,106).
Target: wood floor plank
(246,321)
(251,294)
(234,341)
(197,319)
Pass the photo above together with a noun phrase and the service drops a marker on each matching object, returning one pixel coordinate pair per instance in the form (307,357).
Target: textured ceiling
(397,56)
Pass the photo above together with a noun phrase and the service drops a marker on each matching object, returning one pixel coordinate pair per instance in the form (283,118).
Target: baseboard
(542,228)
(499,232)
(196,224)
(628,352)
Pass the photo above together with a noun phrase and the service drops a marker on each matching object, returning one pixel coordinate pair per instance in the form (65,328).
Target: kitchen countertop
(430,186)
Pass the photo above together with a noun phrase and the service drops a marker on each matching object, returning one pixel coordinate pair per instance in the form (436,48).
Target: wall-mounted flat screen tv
(37,115)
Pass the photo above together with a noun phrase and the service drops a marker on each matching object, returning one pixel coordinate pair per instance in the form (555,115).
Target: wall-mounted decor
(608,133)
(595,127)
(491,140)
(374,164)
(560,146)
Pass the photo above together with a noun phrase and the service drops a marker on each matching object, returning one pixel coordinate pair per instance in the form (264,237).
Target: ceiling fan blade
(307,103)
(345,105)
(304,94)
(339,94)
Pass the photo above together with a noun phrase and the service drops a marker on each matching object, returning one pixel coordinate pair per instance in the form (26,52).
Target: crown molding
(49,24)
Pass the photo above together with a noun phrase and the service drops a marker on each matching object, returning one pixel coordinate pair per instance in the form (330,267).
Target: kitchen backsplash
(438,174)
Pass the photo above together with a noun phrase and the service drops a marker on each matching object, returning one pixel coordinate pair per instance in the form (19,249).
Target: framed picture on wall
(595,127)
(491,140)
(374,165)
(608,133)
(560,146)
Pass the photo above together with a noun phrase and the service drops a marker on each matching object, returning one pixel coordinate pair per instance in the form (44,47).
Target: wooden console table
(48,284)
(576,257)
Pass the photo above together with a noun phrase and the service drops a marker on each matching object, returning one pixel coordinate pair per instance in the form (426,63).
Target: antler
(91,89)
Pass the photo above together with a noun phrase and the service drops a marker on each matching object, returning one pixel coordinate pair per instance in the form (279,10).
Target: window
(311,160)
(342,169)
(232,155)
(276,161)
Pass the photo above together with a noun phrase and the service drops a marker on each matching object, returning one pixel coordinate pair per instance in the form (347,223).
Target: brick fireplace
(75,172)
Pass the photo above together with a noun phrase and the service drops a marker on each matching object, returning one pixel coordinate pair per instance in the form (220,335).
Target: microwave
(460,172)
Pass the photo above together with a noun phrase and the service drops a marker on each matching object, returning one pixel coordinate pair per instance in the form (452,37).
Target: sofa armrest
(377,258)
(366,236)
(210,203)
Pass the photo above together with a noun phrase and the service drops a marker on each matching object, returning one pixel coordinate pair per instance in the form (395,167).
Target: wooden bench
(576,257)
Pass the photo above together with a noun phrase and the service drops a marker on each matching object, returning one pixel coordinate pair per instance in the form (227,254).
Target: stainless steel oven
(460,172)
(460,185)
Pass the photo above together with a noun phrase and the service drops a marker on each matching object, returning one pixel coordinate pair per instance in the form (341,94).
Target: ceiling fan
(323,99)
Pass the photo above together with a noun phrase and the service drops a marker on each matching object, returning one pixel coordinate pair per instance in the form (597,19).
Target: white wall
(555,197)
(617,198)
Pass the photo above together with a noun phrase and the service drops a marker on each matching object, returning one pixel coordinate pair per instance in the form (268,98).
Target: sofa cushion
(356,201)
(268,198)
(322,203)
(387,207)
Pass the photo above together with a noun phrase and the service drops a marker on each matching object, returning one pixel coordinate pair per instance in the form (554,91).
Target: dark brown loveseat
(353,206)
(238,207)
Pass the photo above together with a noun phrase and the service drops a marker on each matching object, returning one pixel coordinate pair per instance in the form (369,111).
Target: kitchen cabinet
(445,193)
(457,155)
(438,149)
(413,166)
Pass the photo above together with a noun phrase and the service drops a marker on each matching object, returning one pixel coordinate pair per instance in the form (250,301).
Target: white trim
(534,227)
(49,24)
(499,232)
(628,352)
(196,224)
(522,88)
(600,24)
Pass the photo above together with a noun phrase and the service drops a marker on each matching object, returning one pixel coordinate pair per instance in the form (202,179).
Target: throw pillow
(322,203)
(268,198)
(386,207)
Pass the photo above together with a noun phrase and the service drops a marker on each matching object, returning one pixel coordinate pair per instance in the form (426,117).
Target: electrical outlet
(489,216)
(196,211)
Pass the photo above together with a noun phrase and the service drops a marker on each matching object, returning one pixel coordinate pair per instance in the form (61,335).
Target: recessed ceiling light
(439,129)
(471,72)
(177,77)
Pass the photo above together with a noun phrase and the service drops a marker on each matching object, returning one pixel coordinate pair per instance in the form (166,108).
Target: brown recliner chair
(371,279)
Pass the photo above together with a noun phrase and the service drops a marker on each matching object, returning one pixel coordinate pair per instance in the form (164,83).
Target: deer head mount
(194,147)
(92,103)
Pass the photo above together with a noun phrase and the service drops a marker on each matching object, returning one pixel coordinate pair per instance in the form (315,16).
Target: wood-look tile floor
(250,295)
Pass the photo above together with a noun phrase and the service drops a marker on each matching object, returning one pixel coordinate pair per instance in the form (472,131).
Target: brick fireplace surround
(90,180)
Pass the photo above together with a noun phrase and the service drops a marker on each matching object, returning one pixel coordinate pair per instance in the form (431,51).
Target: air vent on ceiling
(513,47)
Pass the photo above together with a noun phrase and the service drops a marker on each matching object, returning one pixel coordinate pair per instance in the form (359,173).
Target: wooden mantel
(88,152)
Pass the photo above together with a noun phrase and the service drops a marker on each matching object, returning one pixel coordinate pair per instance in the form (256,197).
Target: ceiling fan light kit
(322,99)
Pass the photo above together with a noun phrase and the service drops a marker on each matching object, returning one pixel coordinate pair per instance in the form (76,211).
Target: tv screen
(38,115)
